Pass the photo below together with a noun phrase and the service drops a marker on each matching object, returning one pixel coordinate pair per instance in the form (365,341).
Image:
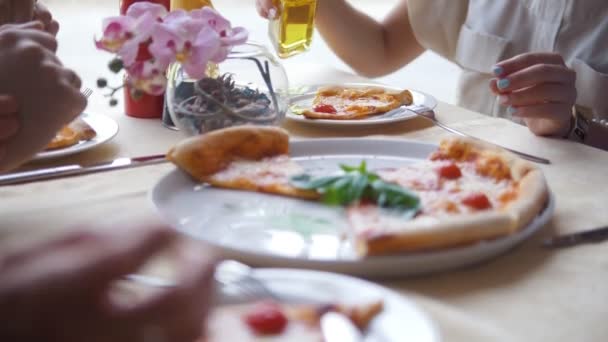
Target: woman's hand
(65,290)
(540,89)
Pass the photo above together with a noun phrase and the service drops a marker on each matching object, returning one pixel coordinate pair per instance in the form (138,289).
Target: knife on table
(596,235)
(338,328)
(78,170)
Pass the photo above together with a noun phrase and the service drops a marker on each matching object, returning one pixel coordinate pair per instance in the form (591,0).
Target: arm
(371,48)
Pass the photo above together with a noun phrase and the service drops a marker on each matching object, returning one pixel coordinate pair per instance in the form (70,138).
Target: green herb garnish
(358,184)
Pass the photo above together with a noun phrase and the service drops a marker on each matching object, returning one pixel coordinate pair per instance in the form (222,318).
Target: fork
(233,277)
(429,114)
(87,92)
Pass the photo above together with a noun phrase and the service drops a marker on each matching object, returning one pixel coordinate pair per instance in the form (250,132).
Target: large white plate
(105,127)
(306,95)
(274,231)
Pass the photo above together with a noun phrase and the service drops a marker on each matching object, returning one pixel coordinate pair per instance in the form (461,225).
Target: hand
(9,123)
(48,93)
(539,88)
(16,11)
(61,291)
(266,8)
(42,14)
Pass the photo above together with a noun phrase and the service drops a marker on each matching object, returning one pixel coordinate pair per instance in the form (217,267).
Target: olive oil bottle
(189,5)
(292,27)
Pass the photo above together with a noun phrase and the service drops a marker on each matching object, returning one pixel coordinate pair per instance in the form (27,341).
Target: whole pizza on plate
(465,192)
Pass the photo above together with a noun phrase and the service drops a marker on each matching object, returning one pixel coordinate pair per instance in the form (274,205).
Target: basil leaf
(306,182)
(392,195)
(357,184)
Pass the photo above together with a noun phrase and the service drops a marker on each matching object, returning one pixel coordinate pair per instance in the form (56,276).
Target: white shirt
(476,34)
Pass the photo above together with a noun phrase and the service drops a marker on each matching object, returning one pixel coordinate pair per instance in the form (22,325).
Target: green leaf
(358,184)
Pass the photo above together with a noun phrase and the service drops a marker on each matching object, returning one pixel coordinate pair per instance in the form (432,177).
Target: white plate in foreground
(401,319)
(275,231)
(306,96)
(105,127)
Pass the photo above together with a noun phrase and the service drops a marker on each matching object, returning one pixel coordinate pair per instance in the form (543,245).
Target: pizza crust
(377,233)
(203,155)
(71,134)
(387,100)
(223,158)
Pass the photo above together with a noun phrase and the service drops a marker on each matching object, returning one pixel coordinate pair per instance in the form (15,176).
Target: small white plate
(274,231)
(307,94)
(401,319)
(105,127)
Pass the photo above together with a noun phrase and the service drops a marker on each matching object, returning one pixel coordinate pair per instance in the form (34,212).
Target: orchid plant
(148,38)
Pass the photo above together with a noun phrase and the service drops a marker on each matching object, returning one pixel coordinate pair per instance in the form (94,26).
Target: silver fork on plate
(233,278)
(429,114)
(87,92)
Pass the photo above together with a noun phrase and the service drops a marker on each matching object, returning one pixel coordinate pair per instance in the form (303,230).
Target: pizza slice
(254,158)
(469,191)
(277,322)
(340,103)
(71,134)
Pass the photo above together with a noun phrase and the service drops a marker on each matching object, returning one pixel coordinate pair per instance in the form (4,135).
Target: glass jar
(249,87)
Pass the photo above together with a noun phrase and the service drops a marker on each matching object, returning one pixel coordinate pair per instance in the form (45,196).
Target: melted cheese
(441,196)
(275,170)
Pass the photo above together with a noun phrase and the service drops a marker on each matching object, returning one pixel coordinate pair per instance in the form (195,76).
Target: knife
(78,170)
(338,328)
(568,240)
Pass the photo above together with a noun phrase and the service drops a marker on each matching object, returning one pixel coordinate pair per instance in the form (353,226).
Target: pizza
(72,134)
(243,158)
(272,321)
(465,192)
(341,103)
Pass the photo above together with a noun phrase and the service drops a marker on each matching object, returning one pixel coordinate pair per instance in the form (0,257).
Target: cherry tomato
(449,171)
(266,319)
(477,201)
(325,108)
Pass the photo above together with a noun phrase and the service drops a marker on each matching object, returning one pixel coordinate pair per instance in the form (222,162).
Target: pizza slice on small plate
(277,322)
(75,132)
(345,103)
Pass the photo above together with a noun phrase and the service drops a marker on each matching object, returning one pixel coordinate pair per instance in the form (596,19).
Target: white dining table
(528,294)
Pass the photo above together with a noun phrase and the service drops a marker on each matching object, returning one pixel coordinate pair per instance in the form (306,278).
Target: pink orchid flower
(124,34)
(229,36)
(185,40)
(148,77)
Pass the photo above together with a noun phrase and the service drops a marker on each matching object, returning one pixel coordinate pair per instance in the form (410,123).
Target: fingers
(43,38)
(21,11)
(536,74)
(9,123)
(539,94)
(526,60)
(123,252)
(180,311)
(265,8)
(8,105)
(44,15)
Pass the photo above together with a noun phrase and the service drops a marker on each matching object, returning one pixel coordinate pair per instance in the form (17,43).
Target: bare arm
(371,48)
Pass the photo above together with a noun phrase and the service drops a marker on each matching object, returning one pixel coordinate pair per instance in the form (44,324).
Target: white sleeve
(437,23)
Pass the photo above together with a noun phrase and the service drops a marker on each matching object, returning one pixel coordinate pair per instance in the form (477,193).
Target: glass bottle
(189,5)
(292,27)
